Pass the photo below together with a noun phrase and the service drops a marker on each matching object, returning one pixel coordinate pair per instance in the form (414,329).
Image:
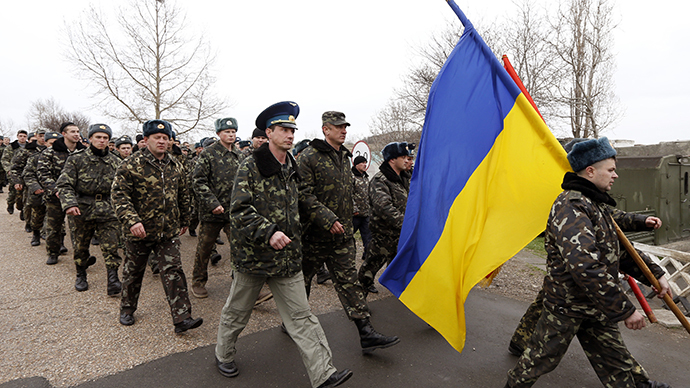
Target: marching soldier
(13,198)
(48,169)
(266,249)
(84,190)
(35,145)
(3,175)
(35,190)
(152,201)
(327,205)
(212,179)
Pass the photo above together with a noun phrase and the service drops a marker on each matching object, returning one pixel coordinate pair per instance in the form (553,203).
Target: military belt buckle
(99,197)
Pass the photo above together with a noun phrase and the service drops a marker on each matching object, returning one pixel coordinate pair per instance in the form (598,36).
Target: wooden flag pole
(648,274)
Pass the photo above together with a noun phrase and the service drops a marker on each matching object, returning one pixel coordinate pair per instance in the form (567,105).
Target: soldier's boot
(27,228)
(322,275)
(370,339)
(652,384)
(192,232)
(215,259)
(21,214)
(81,284)
(219,241)
(36,239)
(10,208)
(95,241)
(63,248)
(114,285)
(52,259)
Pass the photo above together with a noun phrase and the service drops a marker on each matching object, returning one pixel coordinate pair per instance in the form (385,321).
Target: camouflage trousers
(528,322)
(38,215)
(208,233)
(380,251)
(15,198)
(601,341)
(339,257)
(167,255)
(108,234)
(55,227)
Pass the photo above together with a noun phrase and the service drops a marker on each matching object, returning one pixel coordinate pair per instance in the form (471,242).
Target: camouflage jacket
(20,158)
(360,193)
(7,156)
(584,257)
(31,182)
(265,200)
(86,181)
(212,179)
(326,189)
(50,165)
(3,147)
(153,192)
(388,198)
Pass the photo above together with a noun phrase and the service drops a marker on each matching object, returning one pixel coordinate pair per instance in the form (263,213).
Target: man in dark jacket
(34,146)
(13,198)
(266,248)
(84,188)
(35,190)
(582,293)
(327,205)
(212,179)
(388,198)
(152,202)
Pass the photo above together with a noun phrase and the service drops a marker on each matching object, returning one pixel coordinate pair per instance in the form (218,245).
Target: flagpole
(513,74)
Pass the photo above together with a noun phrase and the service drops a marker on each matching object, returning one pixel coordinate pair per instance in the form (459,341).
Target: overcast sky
(340,55)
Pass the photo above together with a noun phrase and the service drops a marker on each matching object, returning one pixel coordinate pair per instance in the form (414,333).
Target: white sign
(361,148)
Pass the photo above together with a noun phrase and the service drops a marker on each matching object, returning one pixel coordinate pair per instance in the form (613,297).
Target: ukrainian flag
(487,172)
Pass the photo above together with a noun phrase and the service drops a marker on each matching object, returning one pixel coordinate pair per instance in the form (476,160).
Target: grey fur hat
(588,152)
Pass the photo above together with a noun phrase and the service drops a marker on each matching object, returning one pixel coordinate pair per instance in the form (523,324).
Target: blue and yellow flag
(487,172)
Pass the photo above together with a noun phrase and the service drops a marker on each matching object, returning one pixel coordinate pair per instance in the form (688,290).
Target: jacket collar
(356,172)
(389,173)
(321,145)
(60,146)
(572,181)
(268,165)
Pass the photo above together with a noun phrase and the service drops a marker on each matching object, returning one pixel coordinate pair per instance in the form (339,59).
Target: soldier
(258,138)
(360,200)
(388,197)
(212,179)
(582,293)
(35,145)
(327,193)
(3,175)
(35,190)
(266,248)
(123,146)
(13,198)
(152,202)
(84,191)
(48,169)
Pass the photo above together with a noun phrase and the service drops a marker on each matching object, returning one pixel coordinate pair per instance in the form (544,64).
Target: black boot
(10,209)
(52,259)
(370,339)
(81,284)
(36,240)
(27,228)
(114,285)
(322,275)
(21,215)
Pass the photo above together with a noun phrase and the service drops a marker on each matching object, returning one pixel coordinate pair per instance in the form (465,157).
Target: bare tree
(581,39)
(147,67)
(49,114)
(6,128)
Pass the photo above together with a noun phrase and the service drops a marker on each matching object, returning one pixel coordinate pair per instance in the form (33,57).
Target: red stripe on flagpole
(518,82)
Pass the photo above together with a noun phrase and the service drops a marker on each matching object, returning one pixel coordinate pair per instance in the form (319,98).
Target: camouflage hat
(123,140)
(226,123)
(334,118)
(394,150)
(94,128)
(152,127)
(42,130)
(52,135)
(281,113)
(590,151)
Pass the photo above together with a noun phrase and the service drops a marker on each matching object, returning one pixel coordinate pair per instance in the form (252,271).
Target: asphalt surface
(422,359)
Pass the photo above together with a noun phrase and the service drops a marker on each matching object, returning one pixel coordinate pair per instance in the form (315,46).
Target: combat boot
(21,214)
(36,239)
(322,276)
(27,228)
(52,259)
(81,284)
(652,384)
(10,209)
(114,285)
(370,339)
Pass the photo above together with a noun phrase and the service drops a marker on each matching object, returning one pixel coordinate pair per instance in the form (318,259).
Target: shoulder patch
(575,195)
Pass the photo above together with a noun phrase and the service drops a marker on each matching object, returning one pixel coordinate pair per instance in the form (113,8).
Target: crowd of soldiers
(290,214)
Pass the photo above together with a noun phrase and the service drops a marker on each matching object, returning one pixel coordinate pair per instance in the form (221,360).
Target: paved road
(422,359)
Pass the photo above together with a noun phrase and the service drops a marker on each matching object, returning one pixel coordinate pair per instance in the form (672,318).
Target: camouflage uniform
(13,198)
(361,208)
(85,182)
(213,176)
(264,201)
(19,161)
(327,198)
(388,197)
(582,294)
(50,164)
(3,174)
(153,192)
(31,185)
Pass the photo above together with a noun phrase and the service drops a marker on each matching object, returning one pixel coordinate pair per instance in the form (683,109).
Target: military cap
(22,131)
(198,145)
(65,125)
(237,139)
(394,150)
(30,135)
(139,137)
(359,159)
(300,146)
(282,113)
(226,123)
(123,140)
(94,128)
(41,130)
(208,141)
(52,135)
(569,146)
(258,133)
(157,126)
(590,151)
(334,118)
(2,137)
(173,135)
(245,143)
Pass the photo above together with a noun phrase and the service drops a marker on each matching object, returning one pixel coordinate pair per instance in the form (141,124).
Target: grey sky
(344,55)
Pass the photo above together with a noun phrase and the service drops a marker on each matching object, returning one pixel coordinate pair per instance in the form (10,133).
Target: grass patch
(536,246)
